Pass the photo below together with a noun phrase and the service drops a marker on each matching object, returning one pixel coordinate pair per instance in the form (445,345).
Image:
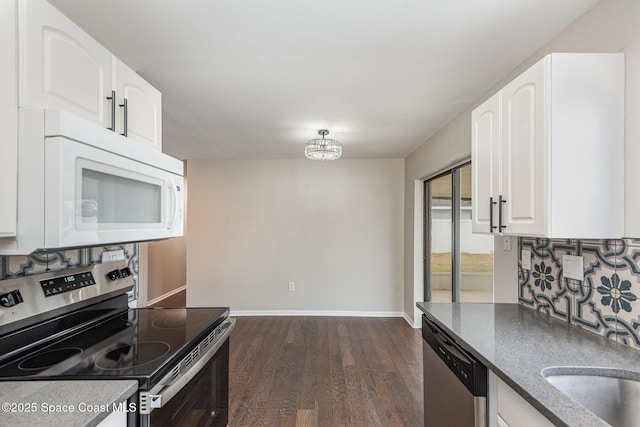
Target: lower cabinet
(508,409)
(114,419)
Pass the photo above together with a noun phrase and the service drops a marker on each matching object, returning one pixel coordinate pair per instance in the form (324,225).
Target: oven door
(96,197)
(200,396)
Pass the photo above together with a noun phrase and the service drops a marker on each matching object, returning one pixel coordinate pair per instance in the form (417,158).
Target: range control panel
(26,296)
(58,285)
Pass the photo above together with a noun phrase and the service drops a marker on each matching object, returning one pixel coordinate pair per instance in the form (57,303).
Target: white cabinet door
(486,173)
(513,410)
(60,65)
(144,106)
(8,120)
(524,152)
(114,419)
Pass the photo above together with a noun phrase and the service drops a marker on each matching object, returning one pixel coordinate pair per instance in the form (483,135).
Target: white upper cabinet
(486,130)
(524,151)
(64,68)
(143,103)
(8,120)
(61,66)
(548,151)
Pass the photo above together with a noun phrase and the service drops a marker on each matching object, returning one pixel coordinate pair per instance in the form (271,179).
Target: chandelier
(323,149)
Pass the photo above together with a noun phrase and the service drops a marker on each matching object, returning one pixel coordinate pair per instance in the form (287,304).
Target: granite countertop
(517,343)
(61,403)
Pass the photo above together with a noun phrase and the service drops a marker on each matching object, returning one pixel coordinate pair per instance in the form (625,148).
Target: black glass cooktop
(137,344)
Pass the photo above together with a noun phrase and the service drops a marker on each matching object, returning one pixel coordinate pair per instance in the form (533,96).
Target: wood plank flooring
(325,371)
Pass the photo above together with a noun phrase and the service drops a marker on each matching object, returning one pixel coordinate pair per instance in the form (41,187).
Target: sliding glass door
(458,264)
(439,223)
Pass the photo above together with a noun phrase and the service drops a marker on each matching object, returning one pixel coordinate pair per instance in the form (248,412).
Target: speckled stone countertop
(517,343)
(34,403)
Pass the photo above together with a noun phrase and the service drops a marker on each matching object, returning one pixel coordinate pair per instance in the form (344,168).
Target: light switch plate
(573,267)
(506,243)
(109,256)
(526,259)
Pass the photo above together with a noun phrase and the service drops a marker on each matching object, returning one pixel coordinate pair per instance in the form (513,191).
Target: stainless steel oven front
(196,391)
(178,356)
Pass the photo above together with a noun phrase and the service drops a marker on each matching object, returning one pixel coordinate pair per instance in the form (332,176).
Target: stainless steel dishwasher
(455,383)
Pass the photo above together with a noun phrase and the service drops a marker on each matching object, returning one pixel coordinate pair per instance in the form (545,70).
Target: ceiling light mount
(323,148)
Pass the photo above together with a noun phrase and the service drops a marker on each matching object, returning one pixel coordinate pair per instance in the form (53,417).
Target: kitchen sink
(611,394)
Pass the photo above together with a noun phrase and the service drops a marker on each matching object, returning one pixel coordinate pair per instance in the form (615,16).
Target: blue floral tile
(542,276)
(543,287)
(632,242)
(616,293)
(591,312)
(606,302)
(525,291)
(621,291)
(15,266)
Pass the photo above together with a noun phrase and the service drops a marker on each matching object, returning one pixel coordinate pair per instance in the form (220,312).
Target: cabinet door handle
(112,98)
(491,226)
(126,111)
(501,201)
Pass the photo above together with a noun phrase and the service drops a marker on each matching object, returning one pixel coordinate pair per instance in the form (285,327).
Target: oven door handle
(163,393)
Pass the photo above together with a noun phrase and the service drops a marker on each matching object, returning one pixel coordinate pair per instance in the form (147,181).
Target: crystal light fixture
(323,149)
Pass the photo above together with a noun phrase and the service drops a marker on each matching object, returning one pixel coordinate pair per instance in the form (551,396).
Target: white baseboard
(414,325)
(167,295)
(334,313)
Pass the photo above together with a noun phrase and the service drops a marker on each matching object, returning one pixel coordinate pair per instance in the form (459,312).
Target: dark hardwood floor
(325,371)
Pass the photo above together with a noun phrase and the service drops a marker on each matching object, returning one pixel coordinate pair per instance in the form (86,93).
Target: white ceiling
(256,79)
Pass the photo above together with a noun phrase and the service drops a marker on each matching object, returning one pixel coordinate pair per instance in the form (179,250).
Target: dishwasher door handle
(445,346)
(469,371)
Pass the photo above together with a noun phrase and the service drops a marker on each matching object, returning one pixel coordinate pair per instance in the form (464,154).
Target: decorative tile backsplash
(607,302)
(41,262)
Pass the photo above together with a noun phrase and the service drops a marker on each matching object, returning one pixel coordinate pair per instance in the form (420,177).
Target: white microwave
(82,185)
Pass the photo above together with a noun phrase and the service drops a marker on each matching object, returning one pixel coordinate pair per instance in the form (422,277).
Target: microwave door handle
(174,205)
(161,394)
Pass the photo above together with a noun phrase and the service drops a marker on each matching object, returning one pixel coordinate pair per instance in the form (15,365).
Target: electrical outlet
(292,286)
(526,259)
(573,267)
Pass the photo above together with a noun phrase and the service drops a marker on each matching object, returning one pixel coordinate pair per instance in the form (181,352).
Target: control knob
(119,274)
(10,299)
(114,275)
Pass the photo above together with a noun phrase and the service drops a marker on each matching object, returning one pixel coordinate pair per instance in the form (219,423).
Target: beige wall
(335,229)
(611,26)
(167,262)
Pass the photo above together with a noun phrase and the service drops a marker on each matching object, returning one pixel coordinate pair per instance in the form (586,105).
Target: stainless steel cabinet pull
(491,226)
(124,105)
(500,226)
(112,98)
